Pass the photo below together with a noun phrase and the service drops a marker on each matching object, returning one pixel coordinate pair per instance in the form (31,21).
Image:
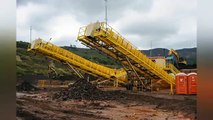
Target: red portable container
(192,83)
(181,83)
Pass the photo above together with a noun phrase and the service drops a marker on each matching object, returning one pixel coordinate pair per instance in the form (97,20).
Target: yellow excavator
(181,62)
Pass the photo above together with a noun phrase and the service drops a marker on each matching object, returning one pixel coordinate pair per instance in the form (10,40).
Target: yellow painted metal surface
(55,52)
(105,38)
(170,67)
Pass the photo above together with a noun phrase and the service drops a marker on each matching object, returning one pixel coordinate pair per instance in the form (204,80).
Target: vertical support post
(106,19)
(151,49)
(171,89)
(150,85)
(116,83)
(43,82)
(142,89)
(88,79)
(30,34)
(106,13)
(30,37)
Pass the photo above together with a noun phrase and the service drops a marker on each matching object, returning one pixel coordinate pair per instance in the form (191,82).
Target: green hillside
(35,64)
(32,64)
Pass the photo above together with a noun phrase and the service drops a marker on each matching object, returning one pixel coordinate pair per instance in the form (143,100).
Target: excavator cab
(170,59)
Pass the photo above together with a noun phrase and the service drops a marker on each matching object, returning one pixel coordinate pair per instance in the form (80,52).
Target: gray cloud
(135,20)
(89,10)
(157,28)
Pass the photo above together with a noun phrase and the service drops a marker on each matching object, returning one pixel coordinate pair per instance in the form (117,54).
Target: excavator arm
(172,51)
(180,60)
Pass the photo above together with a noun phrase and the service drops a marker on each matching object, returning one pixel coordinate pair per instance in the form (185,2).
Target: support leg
(171,90)
(116,83)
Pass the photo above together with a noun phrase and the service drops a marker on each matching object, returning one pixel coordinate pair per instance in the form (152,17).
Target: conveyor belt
(104,38)
(78,62)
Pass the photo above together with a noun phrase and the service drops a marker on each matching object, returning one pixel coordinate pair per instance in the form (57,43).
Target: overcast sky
(167,23)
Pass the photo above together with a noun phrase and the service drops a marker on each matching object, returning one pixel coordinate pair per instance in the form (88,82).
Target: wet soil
(41,106)
(26,86)
(84,101)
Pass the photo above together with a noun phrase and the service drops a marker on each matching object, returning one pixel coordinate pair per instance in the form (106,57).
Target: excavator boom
(179,60)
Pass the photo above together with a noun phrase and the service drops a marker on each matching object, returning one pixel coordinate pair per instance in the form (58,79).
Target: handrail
(112,38)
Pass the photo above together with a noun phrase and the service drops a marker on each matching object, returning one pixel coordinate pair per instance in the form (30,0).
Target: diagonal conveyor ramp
(78,62)
(104,38)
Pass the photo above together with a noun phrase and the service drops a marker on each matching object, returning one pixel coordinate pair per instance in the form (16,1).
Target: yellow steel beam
(78,62)
(170,67)
(106,35)
(94,44)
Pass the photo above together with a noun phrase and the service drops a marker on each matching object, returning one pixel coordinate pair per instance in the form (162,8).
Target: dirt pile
(82,89)
(159,85)
(26,86)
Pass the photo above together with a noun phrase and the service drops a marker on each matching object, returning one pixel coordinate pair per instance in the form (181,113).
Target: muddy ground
(39,105)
